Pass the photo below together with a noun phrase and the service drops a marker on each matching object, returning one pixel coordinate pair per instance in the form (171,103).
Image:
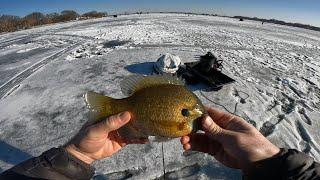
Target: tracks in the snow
(8,87)
(14,82)
(10,41)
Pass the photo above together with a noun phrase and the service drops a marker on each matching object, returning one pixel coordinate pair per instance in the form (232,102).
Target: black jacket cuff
(68,165)
(288,164)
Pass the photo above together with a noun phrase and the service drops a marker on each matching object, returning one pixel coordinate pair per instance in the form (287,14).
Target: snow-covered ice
(46,70)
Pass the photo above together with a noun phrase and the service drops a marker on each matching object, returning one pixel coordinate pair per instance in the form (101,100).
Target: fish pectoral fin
(128,132)
(99,104)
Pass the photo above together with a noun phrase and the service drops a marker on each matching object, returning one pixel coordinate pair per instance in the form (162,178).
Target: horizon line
(184,12)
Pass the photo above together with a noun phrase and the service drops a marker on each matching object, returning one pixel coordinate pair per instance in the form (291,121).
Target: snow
(45,71)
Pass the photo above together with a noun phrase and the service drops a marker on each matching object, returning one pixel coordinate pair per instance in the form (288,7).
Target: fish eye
(185,112)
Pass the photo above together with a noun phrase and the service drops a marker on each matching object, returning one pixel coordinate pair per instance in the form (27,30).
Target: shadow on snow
(12,155)
(145,68)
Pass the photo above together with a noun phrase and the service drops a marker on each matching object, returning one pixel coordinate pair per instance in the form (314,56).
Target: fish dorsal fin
(133,83)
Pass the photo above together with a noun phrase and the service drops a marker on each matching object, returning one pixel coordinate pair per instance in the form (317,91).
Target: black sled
(207,70)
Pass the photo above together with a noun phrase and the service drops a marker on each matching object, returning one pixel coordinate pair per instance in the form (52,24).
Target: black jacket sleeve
(288,164)
(55,163)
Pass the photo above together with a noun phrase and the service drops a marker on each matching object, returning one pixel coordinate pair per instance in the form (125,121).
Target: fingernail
(207,122)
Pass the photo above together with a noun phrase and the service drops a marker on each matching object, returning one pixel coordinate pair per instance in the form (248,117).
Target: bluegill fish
(159,106)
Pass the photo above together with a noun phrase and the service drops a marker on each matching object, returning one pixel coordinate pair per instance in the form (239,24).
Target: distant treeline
(274,21)
(9,23)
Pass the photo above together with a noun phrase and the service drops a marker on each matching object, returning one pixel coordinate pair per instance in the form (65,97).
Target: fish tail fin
(100,105)
(103,106)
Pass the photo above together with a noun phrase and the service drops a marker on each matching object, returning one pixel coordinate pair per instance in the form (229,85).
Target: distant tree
(35,15)
(94,14)
(34,19)
(9,23)
(9,17)
(54,17)
(68,15)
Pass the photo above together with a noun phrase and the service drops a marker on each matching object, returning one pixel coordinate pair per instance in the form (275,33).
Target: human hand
(100,140)
(231,140)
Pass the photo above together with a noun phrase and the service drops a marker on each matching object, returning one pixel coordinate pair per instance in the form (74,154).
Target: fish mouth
(197,124)
(198,112)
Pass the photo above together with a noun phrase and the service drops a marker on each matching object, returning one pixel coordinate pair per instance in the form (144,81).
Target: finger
(228,121)
(187,146)
(210,126)
(220,117)
(185,139)
(116,121)
(213,130)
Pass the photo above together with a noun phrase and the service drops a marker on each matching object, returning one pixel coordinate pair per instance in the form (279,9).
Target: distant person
(230,139)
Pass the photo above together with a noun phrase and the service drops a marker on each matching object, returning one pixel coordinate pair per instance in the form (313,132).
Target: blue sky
(303,11)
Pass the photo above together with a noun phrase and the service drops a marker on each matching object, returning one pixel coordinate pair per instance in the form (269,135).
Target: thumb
(213,130)
(116,121)
(111,123)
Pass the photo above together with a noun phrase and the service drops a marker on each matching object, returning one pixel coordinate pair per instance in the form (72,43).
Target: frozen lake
(45,71)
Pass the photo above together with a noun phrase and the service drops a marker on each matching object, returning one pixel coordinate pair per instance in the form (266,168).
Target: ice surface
(45,71)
